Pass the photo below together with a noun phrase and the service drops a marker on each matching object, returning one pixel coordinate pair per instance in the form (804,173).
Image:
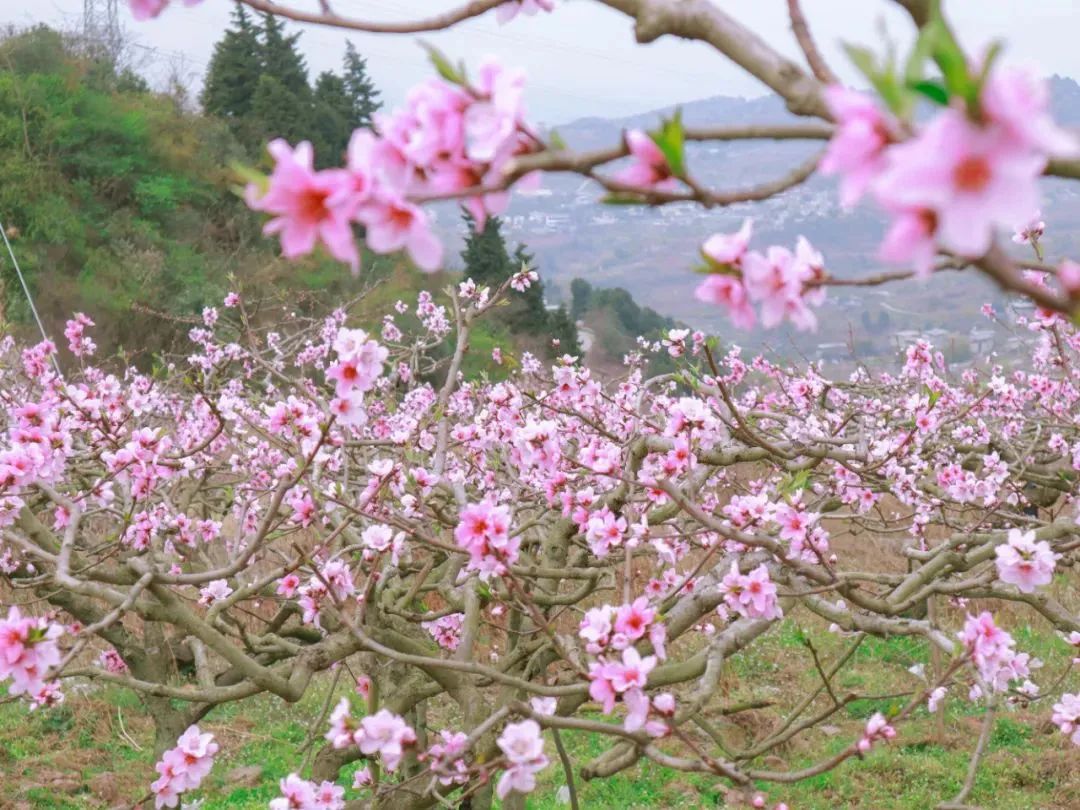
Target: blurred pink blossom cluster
(446,630)
(523,748)
(183,767)
(28,649)
(300,794)
(1025,563)
(960,178)
(450,137)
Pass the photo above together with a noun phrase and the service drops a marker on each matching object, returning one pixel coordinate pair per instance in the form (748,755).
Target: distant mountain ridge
(1064,100)
(650,252)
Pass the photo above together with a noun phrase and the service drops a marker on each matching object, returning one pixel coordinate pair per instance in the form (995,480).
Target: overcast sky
(582,59)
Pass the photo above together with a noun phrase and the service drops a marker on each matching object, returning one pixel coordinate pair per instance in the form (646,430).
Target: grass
(96,749)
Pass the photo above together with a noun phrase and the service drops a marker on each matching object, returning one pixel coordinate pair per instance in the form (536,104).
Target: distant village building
(833,351)
(981,341)
(905,338)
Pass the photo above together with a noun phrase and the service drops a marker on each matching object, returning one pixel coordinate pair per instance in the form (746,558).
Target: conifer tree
(277,112)
(331,124)
(361,91)
(234,69)
(487,261)
(580,298)
(561,328)
(281,59)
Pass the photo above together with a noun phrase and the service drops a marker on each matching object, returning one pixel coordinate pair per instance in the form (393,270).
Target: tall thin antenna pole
(101,26)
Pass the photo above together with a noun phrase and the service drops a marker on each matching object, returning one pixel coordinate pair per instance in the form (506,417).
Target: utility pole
(101,27)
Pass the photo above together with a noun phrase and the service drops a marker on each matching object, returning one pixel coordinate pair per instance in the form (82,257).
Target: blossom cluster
(183,767)
(28,649)
(383,734)
(752,595)
(446,630)
(79,343)
(993,653)
(523,748)
(450,138)
(1067,717)
(877,730)
(483,531)
(784,284)
(301,794)
(965,173)
(1025,563)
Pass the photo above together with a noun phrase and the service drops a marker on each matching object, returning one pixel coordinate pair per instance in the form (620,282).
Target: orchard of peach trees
(489,568)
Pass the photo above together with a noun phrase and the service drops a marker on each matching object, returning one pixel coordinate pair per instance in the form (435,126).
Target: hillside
(650,252)
(121,203)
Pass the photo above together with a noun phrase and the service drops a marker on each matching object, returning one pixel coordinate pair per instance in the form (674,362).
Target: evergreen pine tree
(277,112)
(361,91)
(281,59)
(486,259)
(561,328)
(330,125)
(234,69)
(530,315)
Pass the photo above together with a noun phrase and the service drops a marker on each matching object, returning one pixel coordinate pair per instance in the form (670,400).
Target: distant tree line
(633,318)
(257,81)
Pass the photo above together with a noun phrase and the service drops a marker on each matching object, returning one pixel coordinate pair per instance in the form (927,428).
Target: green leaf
(931,89)
(671,140)
(949,56)
(555,140)
(992,53)
(443,66)
(249,176)
(914,70)
(883,79)
(796,482)
(864,60)
(622,198)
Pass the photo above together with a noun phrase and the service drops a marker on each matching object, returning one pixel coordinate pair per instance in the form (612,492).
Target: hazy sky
(582,59)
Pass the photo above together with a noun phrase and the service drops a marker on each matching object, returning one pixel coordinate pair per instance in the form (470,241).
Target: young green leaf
(933,90)
(671,140)
(443,66)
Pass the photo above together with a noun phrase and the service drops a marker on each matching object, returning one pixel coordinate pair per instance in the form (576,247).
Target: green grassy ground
(95,751)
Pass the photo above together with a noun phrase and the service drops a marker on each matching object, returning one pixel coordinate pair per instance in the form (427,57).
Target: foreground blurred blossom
(649,168)
(1067,717)
(973,179)
(856,151)
(307,205)
(510,9)
(27,650)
